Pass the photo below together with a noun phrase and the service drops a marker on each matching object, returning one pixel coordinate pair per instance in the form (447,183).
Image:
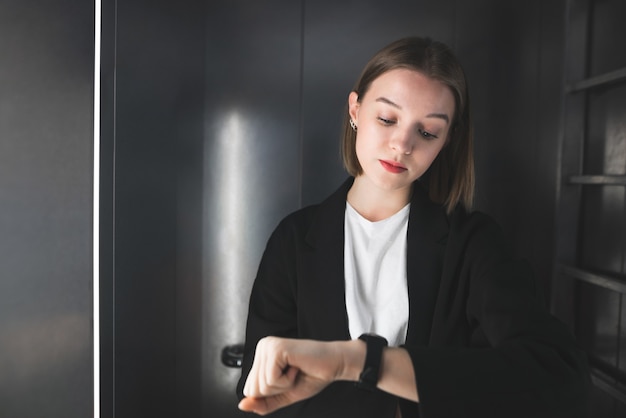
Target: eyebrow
(397,106)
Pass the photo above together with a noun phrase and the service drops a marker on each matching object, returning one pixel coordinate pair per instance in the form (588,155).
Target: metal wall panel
(592,227)
(151,136)
(513,53)
(602,245)
(607,40)
(603,220)
(46,191)
(251,163)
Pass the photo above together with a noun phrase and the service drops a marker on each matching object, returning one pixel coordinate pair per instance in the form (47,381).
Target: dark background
(219,118)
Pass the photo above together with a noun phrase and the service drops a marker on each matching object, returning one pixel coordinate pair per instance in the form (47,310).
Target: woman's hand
(286,371)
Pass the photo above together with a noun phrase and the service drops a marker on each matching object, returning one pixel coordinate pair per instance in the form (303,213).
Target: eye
(386,122)
(427,135)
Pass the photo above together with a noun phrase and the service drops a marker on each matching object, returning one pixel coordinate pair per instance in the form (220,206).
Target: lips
(393,166)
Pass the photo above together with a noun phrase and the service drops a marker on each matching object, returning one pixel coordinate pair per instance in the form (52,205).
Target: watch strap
(371,369)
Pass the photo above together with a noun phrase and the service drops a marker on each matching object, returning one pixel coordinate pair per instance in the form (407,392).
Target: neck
(375,203)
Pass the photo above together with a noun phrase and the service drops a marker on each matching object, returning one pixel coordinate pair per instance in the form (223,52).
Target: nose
(402,142)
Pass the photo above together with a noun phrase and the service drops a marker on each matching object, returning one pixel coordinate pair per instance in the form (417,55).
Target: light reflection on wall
(230,199)
(226,208)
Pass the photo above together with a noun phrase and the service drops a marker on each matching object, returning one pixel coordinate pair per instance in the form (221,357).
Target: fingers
(269,380)
(286,371)
(270,373)
(256,405)
(264,406)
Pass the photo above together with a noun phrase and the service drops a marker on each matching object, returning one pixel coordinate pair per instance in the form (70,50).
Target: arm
(286,371)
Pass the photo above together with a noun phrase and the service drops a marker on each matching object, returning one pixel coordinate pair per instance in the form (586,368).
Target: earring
(353,125)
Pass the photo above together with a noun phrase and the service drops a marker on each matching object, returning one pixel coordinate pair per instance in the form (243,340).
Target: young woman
(391,298)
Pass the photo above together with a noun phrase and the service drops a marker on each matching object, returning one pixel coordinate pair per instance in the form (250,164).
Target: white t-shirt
(375,274)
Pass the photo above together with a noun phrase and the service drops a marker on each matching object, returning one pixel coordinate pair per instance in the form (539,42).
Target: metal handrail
(598,81)
(599,180)
(616,284)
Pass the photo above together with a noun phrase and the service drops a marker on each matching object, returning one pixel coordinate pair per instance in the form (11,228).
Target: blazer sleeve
(520,360)
(272,307)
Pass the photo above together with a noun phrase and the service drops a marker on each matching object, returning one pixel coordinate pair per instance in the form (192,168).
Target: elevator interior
(220,117)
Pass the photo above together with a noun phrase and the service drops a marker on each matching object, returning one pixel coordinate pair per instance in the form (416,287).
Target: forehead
(409,88)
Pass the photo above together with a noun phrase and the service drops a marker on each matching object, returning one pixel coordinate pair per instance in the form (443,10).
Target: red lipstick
(393,166)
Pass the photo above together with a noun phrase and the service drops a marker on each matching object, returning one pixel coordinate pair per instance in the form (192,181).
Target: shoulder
(475,225)
(319,221)
(475,238)
(298,222)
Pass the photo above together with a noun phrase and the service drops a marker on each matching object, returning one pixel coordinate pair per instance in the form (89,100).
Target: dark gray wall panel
(621,353)
(607,40)
(592,227)
(603,224)
(501,60)
(154,135)
(189,201)
(539,243)
(46,166)
(107,203)
(251,165)
(513,56)
(602,245)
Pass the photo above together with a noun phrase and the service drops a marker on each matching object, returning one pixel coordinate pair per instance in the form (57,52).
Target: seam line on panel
(619,328)
(455,26)
(96,208)
(538,113)
(113,206)
(301,110)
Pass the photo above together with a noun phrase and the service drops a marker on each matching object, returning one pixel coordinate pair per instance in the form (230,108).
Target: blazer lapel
(322,288)
(426,240)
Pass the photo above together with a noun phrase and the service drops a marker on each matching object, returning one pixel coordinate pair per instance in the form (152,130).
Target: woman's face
(402,122)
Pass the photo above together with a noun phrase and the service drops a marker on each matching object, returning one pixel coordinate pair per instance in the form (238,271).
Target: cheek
(437,149)
(362,146)
(429,155)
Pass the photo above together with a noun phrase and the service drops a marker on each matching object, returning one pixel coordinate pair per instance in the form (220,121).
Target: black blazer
(482,344)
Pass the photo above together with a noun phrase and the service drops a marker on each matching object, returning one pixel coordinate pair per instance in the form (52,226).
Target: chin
(392,186)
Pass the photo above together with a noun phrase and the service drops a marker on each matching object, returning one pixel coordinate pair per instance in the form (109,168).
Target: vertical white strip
(96,210)
(232,235)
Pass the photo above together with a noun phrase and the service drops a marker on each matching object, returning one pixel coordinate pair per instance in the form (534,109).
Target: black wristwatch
(371,369)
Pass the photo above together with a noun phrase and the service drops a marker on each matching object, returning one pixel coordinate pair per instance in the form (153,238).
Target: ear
(353,106)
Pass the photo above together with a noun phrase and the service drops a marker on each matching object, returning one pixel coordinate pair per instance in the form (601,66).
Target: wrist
(353,358)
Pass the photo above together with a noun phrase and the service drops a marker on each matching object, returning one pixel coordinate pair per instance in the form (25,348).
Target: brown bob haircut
(450,178)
